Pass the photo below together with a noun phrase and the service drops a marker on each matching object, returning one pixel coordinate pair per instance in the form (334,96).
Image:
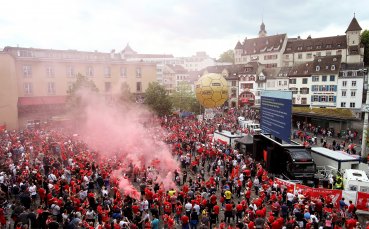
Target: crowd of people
(51,180)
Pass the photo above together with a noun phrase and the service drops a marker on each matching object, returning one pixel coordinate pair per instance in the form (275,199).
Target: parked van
(355,180)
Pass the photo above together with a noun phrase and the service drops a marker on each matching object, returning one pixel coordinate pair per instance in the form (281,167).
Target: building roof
(301,70)
(354,25)
(128,50)
(269,73)
(178,69)
(284,71)
(315,44)
(238,45)
(327,64)
(263,44)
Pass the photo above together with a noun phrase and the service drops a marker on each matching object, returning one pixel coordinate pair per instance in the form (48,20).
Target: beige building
(36,81)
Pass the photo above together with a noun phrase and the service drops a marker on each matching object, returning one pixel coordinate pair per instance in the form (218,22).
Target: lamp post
(365,108)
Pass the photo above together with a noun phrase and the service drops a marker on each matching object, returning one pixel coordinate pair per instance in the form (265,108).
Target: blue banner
(276,114)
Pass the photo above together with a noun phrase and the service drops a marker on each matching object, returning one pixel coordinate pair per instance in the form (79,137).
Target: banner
(349,195)
(315,193)
(362,202)
(289,185)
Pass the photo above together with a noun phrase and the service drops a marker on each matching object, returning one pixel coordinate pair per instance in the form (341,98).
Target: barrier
(359,199)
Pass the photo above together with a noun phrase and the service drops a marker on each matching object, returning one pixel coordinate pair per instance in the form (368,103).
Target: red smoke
(128,132)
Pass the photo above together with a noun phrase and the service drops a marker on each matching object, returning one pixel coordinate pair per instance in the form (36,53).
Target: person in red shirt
(228,214)
(185,220)
(351,223)
(239,209)
(167,207)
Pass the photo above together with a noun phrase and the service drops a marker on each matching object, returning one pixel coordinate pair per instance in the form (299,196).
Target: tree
(156,97)
(82,84)
(126,95)
(227,56)
(184,98)
(365,42)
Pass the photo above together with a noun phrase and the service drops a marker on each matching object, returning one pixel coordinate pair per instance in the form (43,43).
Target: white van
(253,127)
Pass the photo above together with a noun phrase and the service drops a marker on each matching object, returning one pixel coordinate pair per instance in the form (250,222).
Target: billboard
(276,114)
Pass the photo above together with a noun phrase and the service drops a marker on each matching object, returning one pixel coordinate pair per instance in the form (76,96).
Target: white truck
(355,180)
(227,137)
(334,159)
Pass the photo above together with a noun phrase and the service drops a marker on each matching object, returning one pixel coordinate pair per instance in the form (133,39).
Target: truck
(355,180)
(336,160)
(227,137)
(291,160)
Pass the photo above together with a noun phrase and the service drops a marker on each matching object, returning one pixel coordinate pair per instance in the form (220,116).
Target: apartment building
(43,77)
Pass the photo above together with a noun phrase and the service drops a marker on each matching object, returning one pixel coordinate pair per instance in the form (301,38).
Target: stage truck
(292,161)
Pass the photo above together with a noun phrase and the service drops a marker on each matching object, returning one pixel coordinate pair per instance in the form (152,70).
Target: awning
(42,100)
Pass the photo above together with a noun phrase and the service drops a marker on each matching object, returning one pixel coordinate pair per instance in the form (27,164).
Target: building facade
(44,76)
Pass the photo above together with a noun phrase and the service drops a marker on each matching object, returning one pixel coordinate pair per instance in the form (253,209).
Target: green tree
(227,56)
(157,98)
(126,95)
(365,42)
(184,98)
(82,84)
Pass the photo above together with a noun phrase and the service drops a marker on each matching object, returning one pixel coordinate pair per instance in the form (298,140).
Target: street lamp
(365,108)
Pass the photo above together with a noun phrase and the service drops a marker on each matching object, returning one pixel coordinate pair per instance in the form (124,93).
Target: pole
(365,127)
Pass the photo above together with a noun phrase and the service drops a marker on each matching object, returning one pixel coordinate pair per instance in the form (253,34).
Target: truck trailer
(334,159)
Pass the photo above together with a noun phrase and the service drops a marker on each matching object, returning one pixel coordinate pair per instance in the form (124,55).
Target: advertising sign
(276,114)
(328,194)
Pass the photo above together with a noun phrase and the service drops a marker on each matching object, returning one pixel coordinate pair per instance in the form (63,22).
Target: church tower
(353,40)
(262,32)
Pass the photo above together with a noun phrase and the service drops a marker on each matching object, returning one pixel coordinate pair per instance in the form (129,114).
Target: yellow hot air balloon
(211,90)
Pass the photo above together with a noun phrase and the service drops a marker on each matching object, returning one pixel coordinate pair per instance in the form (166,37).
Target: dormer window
(318,47)
(319,60)
(299,48)
(333,67)
(317,68)
(339,45)
(329,46)
(335,59)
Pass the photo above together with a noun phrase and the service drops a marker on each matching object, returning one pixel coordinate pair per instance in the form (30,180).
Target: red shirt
(184,219)
(239,207)
(228,207)
(251,225)
(216,209)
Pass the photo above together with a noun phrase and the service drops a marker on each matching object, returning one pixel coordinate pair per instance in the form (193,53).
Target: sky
(178,27)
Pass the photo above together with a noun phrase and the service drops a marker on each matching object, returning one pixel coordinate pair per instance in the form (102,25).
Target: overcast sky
(178,27)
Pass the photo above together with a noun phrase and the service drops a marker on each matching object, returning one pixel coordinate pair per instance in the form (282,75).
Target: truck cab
(293,161)
(355,180)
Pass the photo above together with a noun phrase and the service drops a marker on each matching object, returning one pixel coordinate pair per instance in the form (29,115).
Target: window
(138,72)
(90,71)
(343,93)
(287,56)
(353,93)
(315,78)
(343,104)
(318,47)
(304,81)
(333,67)
(138,86)
(27,71)
(353,83)
(304,91)
(344,83)
(317,68)
(324,78)
(50,71)
(315,98)
(323,98)
(292,81)
(329,46)
(330,98)
(294,90)
(123,72)
(28,88)
(352,105)
(328,53)
(318,53)
(299,56)
(51,88)
(315,88)
(309,55)
(234,83)
(303,101)
(107,71)
(299,48)
(107,86)
(233,93)
(332,78)
(70,71)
